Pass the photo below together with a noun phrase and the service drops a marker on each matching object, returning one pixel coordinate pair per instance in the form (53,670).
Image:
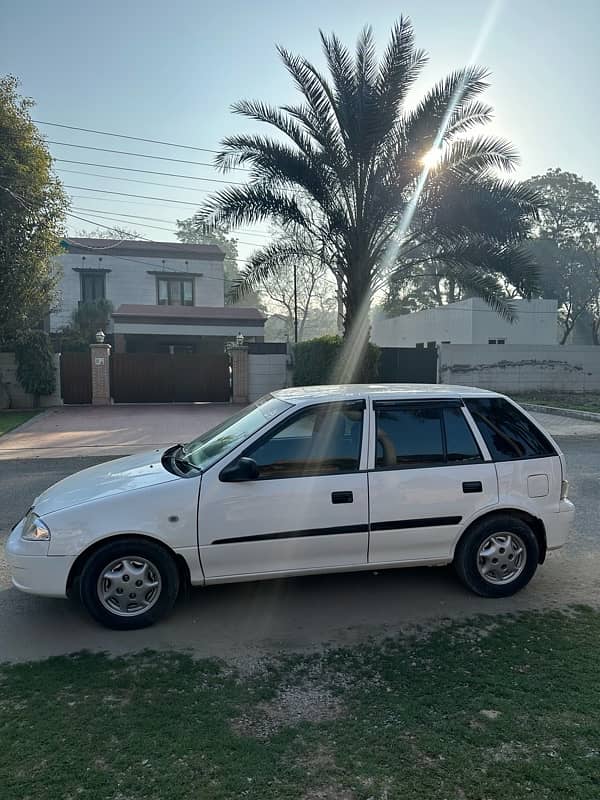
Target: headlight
(34,530)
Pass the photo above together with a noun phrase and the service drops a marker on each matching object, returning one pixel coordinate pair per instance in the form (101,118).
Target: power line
(126,194)
(124,221)
(123,241)
(146,171)
(244,231)
(124,136)
(109,216)
(137,180)
(139,155)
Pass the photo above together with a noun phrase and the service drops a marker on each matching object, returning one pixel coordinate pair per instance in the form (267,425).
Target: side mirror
(244,469)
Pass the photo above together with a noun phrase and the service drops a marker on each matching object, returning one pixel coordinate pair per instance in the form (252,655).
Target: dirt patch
(293,704)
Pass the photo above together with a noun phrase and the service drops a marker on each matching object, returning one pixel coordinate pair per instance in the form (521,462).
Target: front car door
(308,508)
(427,477)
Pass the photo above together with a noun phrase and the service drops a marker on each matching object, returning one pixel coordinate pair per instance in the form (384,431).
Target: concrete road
(246,620)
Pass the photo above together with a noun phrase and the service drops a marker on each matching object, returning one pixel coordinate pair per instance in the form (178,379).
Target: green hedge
(319,361)
(35,363)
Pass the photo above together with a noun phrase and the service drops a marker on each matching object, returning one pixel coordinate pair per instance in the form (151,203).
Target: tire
(129,583)
(513,545)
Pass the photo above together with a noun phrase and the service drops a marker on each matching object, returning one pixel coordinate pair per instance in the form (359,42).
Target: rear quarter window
(507,432)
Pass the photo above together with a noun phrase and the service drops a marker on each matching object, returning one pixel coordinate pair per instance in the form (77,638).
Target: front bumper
(33,570)
(558,525)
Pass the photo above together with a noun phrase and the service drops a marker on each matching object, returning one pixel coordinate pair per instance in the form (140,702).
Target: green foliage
(89,318)
(35,363)
(566,244)
(32,206)
(193,231)
(12,419)
(346,166)
(319,361)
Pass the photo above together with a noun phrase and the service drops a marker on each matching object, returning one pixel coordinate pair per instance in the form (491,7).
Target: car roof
(381,391)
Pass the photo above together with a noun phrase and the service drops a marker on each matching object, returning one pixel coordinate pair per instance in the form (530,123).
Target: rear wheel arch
(82,558)
(535,523)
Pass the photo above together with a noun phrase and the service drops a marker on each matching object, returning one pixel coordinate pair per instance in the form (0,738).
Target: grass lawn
(10,419)
(582,402)
(489,710)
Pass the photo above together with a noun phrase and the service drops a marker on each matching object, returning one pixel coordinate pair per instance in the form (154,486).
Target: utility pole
(295,304)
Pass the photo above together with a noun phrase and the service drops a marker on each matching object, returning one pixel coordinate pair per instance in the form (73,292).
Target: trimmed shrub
(319,361)
(35,363)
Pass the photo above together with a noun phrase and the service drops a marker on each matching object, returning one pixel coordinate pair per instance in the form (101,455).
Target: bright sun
(432,157)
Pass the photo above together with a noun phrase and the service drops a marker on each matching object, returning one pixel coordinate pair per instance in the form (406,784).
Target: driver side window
(322,440)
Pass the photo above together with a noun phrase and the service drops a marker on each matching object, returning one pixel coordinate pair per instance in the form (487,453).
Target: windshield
(220,440)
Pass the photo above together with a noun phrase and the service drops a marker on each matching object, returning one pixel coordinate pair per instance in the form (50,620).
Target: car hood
(104,480)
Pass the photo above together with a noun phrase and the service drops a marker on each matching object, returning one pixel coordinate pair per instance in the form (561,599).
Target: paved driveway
(74,431)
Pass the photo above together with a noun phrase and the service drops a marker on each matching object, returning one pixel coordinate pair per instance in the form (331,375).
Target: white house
(166,296)
(469,322)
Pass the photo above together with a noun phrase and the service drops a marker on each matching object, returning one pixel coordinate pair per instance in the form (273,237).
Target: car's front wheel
(497,556)
(129,583)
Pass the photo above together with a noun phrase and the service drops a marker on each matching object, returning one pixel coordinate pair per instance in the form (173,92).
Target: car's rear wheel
(497,557)
(129,583)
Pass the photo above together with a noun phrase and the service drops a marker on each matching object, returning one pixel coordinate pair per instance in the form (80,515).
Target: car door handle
(470,487)
(342,497)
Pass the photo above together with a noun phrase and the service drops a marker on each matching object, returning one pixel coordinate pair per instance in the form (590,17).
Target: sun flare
(432,158)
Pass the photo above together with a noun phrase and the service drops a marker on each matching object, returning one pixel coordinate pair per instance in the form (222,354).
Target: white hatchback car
(305,480)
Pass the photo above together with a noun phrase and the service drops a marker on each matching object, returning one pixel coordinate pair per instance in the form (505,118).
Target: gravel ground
(243,621)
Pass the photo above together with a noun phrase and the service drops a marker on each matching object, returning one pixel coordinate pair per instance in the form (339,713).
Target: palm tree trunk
(356,330)
(340,304)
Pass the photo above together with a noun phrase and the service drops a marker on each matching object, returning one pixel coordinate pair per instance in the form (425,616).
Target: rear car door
(307,509)
(427,479)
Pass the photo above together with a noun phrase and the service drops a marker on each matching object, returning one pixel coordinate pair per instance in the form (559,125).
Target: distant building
(167,297)
(470,322)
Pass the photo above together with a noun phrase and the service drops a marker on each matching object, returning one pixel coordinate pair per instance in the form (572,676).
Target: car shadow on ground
(311,612)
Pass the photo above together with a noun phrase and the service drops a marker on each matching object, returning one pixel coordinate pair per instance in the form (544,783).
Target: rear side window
(461,446)
(409,436)
(507,432)
(423,436)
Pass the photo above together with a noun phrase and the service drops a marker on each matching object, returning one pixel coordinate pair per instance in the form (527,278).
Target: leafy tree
(424,288)
(89,318)
(193,231)
(35,363)
(32,206)
(388,187)
(566,243)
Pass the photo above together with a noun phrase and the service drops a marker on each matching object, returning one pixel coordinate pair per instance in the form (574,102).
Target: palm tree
(379,188)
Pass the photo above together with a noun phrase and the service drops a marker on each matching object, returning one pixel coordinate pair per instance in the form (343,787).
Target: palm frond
(478,154)
(262,112)
(311,84)
(471,115)
(275,258)
(366,61)
(245,205)
(513,262)
(499,209)
(472,281)
(442,106)
(273,161)
(400,66)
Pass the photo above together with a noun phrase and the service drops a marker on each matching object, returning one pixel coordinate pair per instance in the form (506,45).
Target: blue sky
(171,71)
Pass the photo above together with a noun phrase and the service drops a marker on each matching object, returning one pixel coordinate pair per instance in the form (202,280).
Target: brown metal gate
(76,378)
(165,378)
(407,365)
